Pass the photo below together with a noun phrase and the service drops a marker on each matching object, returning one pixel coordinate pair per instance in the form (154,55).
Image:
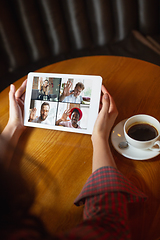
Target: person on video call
(75,114)
(105,195)
(45,107)
(72,96)
(44,92)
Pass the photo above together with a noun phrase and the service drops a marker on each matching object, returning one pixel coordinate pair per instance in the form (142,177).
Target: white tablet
(64,102)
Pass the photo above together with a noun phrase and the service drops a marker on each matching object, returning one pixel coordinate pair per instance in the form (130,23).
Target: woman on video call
(75,114)
(105,194)
(44,92)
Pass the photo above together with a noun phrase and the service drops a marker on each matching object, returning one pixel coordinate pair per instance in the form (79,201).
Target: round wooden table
(58,163)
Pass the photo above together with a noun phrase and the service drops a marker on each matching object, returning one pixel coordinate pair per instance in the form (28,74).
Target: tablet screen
(64,102)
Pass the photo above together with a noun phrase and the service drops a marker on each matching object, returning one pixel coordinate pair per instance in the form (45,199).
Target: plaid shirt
(105,196)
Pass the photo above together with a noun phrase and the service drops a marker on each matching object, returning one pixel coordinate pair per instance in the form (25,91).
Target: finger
(12,100)
(67,84)
(21,89)
(103,114)
(101,96)
(67,111)
(33,110)
(70,84)
(113,107)
(105,103)
(104,90)
(23,96)
(12,92)
(101,99)
(100,106)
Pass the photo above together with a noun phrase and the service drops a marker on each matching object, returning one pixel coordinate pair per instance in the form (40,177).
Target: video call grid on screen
(63,102)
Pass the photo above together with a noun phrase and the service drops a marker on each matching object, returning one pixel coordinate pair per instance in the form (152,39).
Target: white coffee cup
(153,144)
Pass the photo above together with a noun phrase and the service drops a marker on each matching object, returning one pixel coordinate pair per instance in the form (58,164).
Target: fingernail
(11,87)
(106,96)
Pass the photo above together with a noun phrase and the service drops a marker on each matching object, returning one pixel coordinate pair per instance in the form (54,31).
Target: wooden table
(59,163)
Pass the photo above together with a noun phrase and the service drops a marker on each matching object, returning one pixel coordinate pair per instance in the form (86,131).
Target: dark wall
(34,33)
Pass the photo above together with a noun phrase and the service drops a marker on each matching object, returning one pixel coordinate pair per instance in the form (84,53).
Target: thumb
(12,101)
(12,95)
(105,103)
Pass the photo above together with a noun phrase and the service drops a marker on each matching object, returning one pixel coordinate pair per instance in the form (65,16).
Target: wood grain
(58,164)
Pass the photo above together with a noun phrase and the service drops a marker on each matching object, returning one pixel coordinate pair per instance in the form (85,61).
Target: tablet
(64,102)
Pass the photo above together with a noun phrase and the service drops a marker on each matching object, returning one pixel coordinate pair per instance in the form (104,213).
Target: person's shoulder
(65,99)
(62,123)
(36,120)
(65,124)
(71,95)
(46,121)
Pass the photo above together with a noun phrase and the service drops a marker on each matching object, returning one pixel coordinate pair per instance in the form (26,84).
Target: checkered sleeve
(105,196)
(108,180)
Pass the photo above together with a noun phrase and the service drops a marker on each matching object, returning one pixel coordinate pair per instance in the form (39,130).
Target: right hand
(33,114)
(105,119)
(66,90)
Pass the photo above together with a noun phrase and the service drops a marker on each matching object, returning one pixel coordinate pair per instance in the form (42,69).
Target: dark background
(35,33)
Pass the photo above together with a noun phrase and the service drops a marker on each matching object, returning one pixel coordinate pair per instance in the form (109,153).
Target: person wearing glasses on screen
(75,114)
(72,96)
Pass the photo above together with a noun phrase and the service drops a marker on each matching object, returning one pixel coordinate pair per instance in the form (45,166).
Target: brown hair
(45,103)
(81,85)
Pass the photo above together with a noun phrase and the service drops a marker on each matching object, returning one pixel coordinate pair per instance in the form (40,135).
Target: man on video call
(43,114)
(72,96)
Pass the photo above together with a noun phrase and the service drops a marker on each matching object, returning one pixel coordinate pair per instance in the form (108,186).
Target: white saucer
(117,136)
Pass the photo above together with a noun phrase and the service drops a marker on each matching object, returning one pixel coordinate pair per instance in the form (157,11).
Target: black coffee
(142,132)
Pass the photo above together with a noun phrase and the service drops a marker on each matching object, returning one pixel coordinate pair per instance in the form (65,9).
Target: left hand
(16,105)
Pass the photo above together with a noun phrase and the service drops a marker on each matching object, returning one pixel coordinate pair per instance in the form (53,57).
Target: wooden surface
(58,164)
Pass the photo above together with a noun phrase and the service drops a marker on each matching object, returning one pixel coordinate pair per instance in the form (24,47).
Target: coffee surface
(142,132)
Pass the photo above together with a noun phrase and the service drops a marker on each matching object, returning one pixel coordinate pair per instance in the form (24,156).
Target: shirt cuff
(109,179)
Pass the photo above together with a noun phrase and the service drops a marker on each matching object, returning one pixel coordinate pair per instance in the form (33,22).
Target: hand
(67,86)
(65,115)
(14,128)
(33,114)
(16,106)
(106,118)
